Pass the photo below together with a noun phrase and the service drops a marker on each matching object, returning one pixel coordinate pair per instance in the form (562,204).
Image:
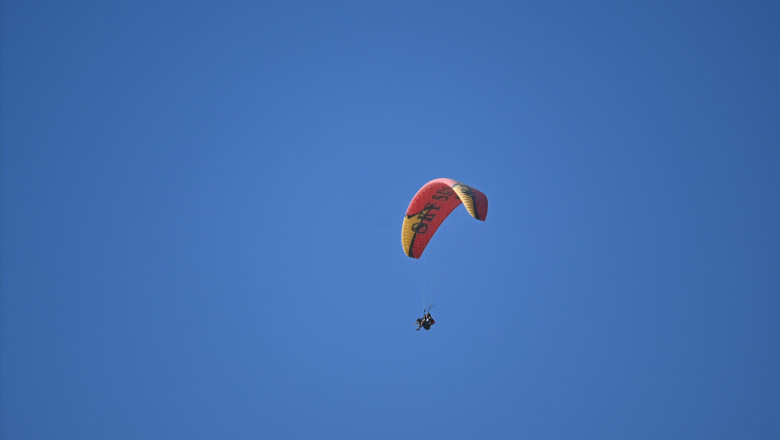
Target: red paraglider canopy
(431,205)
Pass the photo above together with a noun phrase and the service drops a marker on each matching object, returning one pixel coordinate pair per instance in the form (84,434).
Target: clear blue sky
(202,207)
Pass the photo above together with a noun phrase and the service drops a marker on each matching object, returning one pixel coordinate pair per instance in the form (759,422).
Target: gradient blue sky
(202,204)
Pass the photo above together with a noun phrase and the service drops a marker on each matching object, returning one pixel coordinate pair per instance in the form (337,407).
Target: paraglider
(425,322)
(431,205)
(428,209)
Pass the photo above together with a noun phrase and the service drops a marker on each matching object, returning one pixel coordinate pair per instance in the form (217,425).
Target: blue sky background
(202,205)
